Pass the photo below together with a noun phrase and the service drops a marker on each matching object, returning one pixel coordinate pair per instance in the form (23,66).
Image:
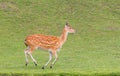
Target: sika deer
(50,43)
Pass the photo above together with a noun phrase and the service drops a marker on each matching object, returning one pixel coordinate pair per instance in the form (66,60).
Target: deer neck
(63,36)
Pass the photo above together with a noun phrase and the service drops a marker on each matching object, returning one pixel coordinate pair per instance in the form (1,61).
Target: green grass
(93,51)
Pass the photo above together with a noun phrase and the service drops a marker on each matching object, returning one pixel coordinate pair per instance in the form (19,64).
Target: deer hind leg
(28,52)
(26,55)
(50,58)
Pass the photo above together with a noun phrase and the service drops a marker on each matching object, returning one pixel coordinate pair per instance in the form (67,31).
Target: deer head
(69,29)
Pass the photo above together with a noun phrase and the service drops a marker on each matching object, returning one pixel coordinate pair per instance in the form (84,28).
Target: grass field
(93,51)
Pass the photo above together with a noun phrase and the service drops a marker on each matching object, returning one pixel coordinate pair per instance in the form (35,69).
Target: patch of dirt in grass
(8,6)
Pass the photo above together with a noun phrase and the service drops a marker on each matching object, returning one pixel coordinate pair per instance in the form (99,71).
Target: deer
(49,43)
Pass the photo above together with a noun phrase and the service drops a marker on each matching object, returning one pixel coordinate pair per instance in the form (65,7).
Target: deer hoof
(43,67)
(51,67)
(35,64)
(26,64)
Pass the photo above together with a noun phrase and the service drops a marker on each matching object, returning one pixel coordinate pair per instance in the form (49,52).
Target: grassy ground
(93,50)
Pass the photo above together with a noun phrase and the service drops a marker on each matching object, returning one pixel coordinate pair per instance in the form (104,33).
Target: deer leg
(56,57)
(26,55)
(35,62)
(50,58)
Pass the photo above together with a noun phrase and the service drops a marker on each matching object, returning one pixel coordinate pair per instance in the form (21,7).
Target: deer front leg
(56,57)
(50,58)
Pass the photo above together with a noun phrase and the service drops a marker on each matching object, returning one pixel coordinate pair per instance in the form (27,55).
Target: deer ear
(66,23)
